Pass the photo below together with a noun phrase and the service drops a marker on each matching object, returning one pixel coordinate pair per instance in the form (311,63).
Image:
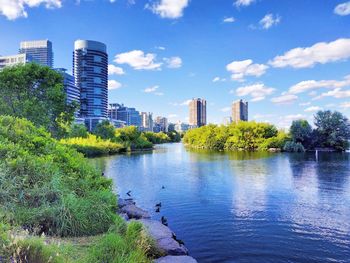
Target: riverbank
(166,242)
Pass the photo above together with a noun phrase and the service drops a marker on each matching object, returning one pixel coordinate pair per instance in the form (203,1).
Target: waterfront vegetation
(332,131)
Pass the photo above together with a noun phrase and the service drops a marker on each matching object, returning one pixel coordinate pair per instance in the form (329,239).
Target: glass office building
(40,51)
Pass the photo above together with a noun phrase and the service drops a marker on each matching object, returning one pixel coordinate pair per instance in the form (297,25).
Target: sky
(287,58)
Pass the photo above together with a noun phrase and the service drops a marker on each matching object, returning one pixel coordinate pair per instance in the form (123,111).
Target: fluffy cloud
(345,105)
(184,103)
(226,109)
(320,53)
(229,19)
(168,8)
(240,69)
(239,3)
(309,85)
(336,93)
(257,91)
(173,62)
(151,89)
(14,9)
(342,9)
(138,60)
(113,70)
(113,84)
(313,108)
(269,20)
(217,79)
(285,99)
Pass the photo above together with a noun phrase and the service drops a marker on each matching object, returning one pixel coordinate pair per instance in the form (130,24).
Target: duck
(129,193)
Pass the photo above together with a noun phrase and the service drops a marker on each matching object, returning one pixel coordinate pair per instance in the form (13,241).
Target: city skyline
(159,61)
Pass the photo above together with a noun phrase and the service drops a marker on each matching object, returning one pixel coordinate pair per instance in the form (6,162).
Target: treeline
(332,130)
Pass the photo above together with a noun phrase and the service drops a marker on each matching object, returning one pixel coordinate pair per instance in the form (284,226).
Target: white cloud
(168,8)
(269,20)
(217,79)
(226,109)
(240,69)
(285,99)
(184,103)
(342,9)
(257,91)
(173,62)
(305,104)
(172,116)
(160,48)
(320,53)
(159,93)
(13,9)
(313,108)
(229,19)
(113,84)
(309,85)
(138,60)
(113,70)
(336,93)
(345,105)
(240,3)
(151,89)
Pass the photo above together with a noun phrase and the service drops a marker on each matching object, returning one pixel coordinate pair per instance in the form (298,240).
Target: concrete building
(90,69)
(146,121)
(39,50)
(227,120)
(7,61)
(161,124)
(182,127)
(198,112)
(239,111)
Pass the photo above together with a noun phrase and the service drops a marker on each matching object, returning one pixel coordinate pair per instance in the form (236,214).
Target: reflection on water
(244,207)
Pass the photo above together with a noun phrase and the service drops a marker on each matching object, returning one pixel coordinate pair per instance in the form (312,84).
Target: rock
(134,212)
(123,202)
(176,259)
(164,238)
(124,216)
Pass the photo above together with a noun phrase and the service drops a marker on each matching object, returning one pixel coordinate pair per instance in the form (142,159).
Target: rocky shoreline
(164,237)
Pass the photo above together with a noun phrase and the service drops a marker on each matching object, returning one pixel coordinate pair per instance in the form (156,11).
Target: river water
(243,207)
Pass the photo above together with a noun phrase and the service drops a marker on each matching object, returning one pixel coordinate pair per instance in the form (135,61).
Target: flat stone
(134,212)
(176,259)
(123,202)
(164,238)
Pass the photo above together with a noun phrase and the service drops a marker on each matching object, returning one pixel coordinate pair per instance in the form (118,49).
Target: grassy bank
(47,188)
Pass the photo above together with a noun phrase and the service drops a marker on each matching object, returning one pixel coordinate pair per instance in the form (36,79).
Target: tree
(301,131)
(332,130)
(36,93)
(78,131)
(105,130)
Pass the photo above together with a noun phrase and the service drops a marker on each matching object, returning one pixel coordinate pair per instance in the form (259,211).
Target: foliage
(157,138)
(49,188)
(332,130)
(174,136)
(36,93)
(291,146)
(105,130)
(94,146)
(301,131)
(276,142)
(78,131)
(132,138)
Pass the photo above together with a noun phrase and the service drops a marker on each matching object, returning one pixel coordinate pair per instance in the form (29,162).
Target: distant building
(90,69)
(112,111)
(146,121)
(198,112)
(182,127)
(171,127)
(39,50)
(71,90)
(227,120)
(7,61)
(161,124)
(130,116)
(239,111)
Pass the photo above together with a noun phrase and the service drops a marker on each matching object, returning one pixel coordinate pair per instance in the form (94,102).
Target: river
(243,207)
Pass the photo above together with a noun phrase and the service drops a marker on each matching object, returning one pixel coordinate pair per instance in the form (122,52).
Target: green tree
(36,93)
(105,130)
(332,130)
(301,131)
(78,131)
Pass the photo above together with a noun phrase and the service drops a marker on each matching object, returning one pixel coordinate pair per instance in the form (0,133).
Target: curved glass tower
(90,69)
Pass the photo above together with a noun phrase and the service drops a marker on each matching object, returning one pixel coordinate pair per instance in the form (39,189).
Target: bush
(94,146)
(157,138)
(78,131)
(132,138)
(105,130)
(276,142)
(291,146)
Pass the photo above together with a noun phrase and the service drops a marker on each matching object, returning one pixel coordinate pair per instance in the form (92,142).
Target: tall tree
(301,131)
(36,93)
(332,130)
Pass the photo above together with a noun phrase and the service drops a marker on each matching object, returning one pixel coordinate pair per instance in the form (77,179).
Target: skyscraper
(198,112)
(161,124)
(239,111)
(13,60)
(90,69)
(40,51)
(146,121)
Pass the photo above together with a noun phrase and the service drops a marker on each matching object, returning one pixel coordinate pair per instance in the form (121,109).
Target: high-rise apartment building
(161,124)
(71,90)
(90,69)
(146,121)
(39,50)
(198,112)
(239,111)
(13,60)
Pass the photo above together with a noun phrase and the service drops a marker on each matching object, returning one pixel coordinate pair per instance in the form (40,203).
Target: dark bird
(180,241)
(103,174)
(163,187)
(157,210)
(159,204)
(164,221)
(129,193)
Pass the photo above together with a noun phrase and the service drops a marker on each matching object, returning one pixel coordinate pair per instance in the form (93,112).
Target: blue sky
(287,58)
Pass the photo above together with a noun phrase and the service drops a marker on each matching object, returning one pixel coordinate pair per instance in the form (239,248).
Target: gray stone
(164,238)
(124,216)
(134,212)
(176,259)
(123,202)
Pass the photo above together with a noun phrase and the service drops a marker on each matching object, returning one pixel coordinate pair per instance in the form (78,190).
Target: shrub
(132,138)
(291,146)
(78,131)
(105,130)
(277,142)
(157,138)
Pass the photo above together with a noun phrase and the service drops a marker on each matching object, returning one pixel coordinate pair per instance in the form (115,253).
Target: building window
(97,112)
(97,101)
(97,80)
(97,91)
(97,70)
(97,59)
